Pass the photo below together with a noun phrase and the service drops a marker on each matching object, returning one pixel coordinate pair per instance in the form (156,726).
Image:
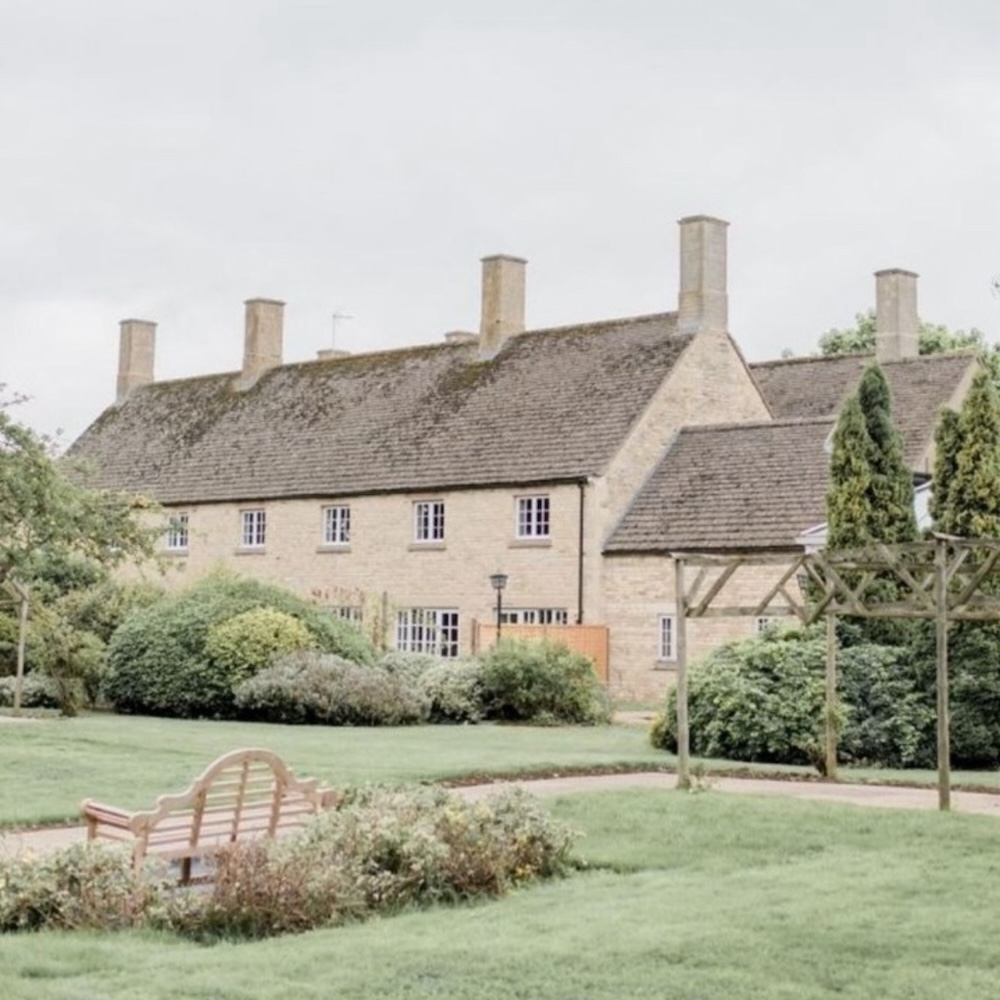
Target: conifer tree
(971,505)
(871,490)
(848,518)
(890,493)
(947,444)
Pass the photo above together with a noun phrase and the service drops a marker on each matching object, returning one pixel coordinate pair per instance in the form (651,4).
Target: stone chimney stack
(503,302)
(897,328)
(136,353)
(703,301)
(262,342)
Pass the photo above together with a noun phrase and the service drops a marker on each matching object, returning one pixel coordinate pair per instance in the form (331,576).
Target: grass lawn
(689,897)
(51,764)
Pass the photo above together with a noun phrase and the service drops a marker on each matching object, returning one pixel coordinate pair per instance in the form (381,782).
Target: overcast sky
(167,160)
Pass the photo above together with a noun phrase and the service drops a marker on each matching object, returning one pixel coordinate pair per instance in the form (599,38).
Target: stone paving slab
(44,841)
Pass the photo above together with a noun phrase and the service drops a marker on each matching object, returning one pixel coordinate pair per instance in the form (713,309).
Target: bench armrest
(99,814)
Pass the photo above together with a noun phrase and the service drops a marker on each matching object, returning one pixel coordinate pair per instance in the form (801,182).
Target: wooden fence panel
(591,640)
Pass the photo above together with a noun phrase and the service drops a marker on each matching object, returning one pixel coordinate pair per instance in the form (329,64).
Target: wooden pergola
(942,580)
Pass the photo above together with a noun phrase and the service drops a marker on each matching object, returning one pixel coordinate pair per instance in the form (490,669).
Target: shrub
(159,662)
(245,644)
(421,845)
(88,886)
(310,687)
(890,715)
(380,850)
(541,682)
(39,691)
(761,699)
(454,690)
(974,673)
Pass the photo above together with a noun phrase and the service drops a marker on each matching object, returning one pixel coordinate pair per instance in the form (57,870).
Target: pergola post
(831,696)
(941,627)
(683,736)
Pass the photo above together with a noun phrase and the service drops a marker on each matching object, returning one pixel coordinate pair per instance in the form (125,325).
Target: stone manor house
(576,460)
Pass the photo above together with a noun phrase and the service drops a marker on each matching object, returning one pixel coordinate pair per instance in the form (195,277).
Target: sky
(168,160)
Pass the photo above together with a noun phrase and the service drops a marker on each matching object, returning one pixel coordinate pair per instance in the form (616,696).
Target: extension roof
(553,405)
(731,487)
(818,387)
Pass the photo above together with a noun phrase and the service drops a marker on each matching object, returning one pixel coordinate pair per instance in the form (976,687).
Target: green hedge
(160,659)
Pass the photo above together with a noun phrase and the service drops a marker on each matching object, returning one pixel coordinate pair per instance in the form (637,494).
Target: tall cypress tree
(947,444)
(971,505)
(890,493)
(848,518)
(871,490)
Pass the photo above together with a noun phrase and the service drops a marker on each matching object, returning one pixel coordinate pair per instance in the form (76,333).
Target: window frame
(428,522)
(178,534)
(433,631)
(337,524)
(666,637)
(534,616)
(533,517)
(253,528)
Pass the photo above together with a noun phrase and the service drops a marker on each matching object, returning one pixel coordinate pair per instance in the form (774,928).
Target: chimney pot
(136,354)
(502,302)
(703,300)
(897,326)
(330,353)
(262,343)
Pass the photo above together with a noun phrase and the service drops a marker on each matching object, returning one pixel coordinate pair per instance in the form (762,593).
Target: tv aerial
(995,286)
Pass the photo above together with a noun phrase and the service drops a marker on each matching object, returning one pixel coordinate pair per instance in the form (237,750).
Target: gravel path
(38,842)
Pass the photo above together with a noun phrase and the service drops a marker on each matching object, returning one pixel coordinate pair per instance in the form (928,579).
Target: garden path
(42,841)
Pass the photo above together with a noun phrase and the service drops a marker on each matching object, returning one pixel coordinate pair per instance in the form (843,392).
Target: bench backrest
(244,795)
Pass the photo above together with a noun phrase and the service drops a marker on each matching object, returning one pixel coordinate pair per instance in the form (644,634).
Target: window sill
(530,543)
(427,546)
(665,665)
(248,550)
(175,553)
(336,547)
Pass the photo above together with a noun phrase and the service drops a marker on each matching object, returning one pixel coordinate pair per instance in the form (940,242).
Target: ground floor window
(667,638)
(427,630)
(534,616)
(352,613)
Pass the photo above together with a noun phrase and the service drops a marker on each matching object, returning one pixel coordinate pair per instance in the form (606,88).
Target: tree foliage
(57,536)
(933,338)
(967,465)
(47,519)
(871,489)
(947,442)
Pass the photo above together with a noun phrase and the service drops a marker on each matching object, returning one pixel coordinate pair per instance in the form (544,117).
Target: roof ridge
(744,425)
(964,352)
(597,324)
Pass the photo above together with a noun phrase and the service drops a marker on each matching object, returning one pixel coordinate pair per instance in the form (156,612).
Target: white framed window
(534,616)
(352,613)
(763,623)
(666,634)
(533,517)
(428,521)
(254,528)
(337,525)
(427,630)
(177,533)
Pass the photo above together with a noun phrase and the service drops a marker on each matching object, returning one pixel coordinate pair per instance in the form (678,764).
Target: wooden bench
(244,795)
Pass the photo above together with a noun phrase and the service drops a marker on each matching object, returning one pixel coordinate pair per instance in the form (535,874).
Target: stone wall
(640,588)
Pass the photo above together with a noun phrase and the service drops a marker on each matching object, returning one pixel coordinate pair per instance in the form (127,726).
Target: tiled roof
(552,405)
(817,387)
(730,488)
